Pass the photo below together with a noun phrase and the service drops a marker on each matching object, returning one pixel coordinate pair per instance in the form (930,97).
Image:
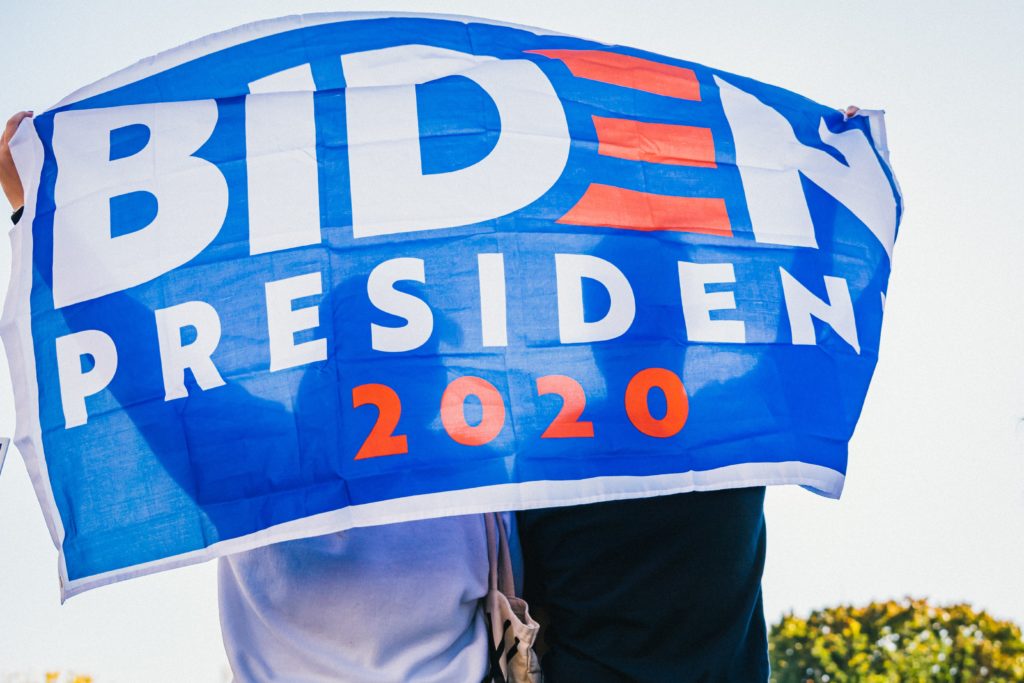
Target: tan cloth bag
(513,630)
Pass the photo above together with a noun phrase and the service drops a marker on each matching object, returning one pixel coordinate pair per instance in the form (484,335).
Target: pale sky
(934,501)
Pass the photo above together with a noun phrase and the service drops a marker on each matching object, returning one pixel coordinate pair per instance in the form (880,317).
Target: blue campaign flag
(351,269)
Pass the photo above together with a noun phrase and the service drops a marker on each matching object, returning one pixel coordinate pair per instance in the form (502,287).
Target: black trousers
(657,590)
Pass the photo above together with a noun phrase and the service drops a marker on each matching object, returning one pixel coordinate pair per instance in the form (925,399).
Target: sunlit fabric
(350,269)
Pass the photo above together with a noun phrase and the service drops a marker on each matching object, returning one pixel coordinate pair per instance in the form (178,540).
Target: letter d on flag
(390,192)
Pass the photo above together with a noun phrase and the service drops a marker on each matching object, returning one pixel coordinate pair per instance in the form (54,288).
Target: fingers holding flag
(9,179)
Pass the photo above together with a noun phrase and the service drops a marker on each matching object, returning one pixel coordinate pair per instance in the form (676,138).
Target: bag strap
(492,551)
(4,443)
(499,556)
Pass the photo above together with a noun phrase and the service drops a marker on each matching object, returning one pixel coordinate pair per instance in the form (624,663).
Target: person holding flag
(656,589)
(400,603)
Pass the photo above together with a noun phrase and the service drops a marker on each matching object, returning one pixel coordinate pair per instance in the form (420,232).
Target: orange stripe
(614,207)
(629,72)
(659,143)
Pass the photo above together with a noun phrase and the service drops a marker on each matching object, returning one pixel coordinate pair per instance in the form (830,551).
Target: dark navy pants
(656,590)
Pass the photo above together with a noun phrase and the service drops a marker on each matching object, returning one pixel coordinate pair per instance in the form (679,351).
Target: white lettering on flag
(191,196)
(493,304)
(281,161)
(382,293)
(698,303)
(176,356)
(284,321)
(770,160)
(570,269)
(802,305)
(75,383)
(390,192)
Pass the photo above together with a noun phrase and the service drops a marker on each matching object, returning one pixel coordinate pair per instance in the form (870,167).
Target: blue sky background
(934,502)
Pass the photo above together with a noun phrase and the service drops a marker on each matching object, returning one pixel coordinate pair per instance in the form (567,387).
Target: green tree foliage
(909,641)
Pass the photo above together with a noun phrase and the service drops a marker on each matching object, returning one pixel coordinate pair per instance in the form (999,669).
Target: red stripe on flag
(614,207)
(659,143)
(629,72)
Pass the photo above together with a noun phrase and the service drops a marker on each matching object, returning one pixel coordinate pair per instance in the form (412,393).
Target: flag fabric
(343,270)
(4,444)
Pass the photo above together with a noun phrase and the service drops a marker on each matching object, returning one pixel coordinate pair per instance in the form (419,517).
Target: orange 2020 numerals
(567,424)
(382,439)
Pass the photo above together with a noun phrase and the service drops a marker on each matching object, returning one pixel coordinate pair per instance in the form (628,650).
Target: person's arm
(9,180)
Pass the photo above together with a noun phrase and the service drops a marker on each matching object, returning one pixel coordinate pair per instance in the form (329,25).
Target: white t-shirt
(387,604)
